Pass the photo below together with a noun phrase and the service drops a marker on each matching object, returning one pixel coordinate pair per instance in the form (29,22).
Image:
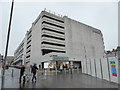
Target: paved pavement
(59,80)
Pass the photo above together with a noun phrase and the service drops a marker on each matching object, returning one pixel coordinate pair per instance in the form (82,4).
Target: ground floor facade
(59,80)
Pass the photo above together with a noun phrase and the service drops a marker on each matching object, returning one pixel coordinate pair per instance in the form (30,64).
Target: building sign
(62,58)
(113,68)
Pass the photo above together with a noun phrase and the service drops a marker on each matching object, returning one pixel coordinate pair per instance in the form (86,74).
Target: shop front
(56,62)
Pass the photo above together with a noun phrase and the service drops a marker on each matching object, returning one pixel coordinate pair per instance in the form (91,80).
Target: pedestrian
(39,66)
(61,67)
(34,70)
(22,70)
(66,67)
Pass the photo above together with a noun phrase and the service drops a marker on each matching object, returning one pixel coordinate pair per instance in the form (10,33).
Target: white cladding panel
(105,68)
(93,73)
(81,40)
(84,42)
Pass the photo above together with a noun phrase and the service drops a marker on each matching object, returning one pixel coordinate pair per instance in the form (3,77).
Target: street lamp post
(6,50)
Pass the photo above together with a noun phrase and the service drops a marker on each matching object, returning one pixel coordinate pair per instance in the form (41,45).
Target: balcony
(52,47)
(52,21)
(52,28)
(53,40)
(53,34)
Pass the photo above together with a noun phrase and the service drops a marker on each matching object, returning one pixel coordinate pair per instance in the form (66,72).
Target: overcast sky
(101,15)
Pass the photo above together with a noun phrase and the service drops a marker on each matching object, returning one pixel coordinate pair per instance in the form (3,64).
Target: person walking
(34,70)
(61,67)
(22,70)
(39,67)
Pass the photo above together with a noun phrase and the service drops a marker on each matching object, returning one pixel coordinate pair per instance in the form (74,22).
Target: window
(28,56)
(53,37)
(46,51)
(56,44)
(29,32)
(29,37)
(52,30)
(29,41)
(28,46)
(28,51)
(52,18)
(52,24)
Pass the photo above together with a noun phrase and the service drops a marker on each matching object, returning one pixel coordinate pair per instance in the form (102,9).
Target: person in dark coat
(34,70)
(22,70)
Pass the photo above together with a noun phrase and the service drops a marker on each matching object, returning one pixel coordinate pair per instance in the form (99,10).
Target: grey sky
(101,15)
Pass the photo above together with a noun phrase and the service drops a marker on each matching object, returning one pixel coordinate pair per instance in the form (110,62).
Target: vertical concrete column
(71,66)
(95,68)
(108,69)
(101,69)
(56,67)
(90,67)
(22,62)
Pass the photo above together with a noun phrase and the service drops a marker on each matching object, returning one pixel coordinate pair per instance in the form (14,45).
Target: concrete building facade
(60,39)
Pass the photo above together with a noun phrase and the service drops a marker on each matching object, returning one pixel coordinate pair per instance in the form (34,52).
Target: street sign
(62,58)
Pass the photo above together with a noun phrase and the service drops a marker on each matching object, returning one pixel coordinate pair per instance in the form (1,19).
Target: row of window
(28,56)
(19,52)
(52,18)
(19,57)
(21,46)
(28,41)
(28,51)
(29,37)
(52,30)
(28,46)
(53,24)
(29,32)
(56,44)
(44,35)
(46,51)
